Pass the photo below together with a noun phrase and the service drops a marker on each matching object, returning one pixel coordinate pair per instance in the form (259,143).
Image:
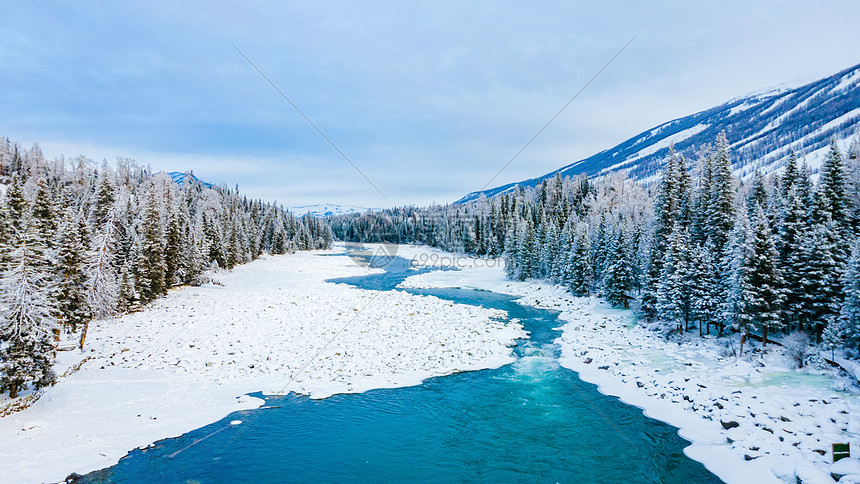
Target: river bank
(274,326)
(782,421)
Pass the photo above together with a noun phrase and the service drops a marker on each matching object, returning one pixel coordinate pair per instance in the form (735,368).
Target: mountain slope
(762,128)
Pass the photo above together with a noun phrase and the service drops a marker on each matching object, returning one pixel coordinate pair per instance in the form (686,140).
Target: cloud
(429,99)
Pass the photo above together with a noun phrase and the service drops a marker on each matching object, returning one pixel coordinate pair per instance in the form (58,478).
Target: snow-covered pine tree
(105,198)
(72,302)
(821,275)
(44,217)
(173,240)
(849,317)
(526,249)
(618,275)
(704,287)
(27,314)
(550,253)
(734,276)
(510,252)
(721,214)
(101,285)
(793,234)
(579,265)
(673,289)
(17,207)
(833,194)
(702,200)
(790,177)
(757,196)
(149,262)
(761,287)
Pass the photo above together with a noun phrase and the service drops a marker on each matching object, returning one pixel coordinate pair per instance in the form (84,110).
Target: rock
(784,419)
(807,473)
(72,478)
(844,467)
(749,457)
(605,367)
(587,361)
(730,424)
(639,384)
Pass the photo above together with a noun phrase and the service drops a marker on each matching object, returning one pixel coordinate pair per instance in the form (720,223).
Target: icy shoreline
(275,326)
(786,419)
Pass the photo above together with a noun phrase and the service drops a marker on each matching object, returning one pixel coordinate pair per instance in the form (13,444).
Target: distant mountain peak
(328,209)
(762,128)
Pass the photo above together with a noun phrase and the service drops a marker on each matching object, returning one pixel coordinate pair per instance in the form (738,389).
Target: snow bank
(786,419)
(275,326)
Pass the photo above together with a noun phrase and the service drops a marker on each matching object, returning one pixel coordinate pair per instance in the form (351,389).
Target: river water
(530,421)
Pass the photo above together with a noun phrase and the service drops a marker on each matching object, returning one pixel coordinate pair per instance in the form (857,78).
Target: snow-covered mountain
(328,209)
(762,128)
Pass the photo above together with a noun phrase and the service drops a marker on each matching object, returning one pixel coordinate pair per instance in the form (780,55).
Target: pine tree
(792,256)
(105,199)
(27,315)
(173,246)
(702,200)
(510,254)
(735,277)
(44,217)
(721,209)
(149,264)
(618,275)
(762,296)
(72,301)
(16,208)
(790,177)
(673,289)
(832,190)
(820,278)
(704,287)
(527,257)
(579,265)
(850,312)
(757,196)
(101,273)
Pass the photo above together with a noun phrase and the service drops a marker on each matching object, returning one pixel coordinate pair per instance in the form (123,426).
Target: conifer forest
(79,241)
(698,250)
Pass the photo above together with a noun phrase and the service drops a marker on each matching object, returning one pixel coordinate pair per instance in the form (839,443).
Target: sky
(428,99)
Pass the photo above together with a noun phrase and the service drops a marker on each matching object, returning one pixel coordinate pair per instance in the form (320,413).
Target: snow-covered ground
(786,419)
(274,326)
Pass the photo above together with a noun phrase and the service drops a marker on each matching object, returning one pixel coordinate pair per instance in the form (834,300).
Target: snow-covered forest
(700,250)
(81,240)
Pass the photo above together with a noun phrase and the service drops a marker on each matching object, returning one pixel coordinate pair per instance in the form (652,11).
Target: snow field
(275,326)
(786,419)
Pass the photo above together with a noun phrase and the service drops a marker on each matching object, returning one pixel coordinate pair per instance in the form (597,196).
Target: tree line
(80,241)
(695,249)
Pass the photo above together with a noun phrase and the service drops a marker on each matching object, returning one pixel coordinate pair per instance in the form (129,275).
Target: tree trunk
(13,390)
(84,335)
(56,340)
(743,337)
(763,335)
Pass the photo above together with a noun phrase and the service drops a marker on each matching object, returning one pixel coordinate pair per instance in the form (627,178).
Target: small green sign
(841,451)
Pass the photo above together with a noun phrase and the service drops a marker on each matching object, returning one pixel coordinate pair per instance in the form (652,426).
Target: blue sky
(430,99)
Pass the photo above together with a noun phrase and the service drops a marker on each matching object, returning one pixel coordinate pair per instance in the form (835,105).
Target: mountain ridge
(762,127)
